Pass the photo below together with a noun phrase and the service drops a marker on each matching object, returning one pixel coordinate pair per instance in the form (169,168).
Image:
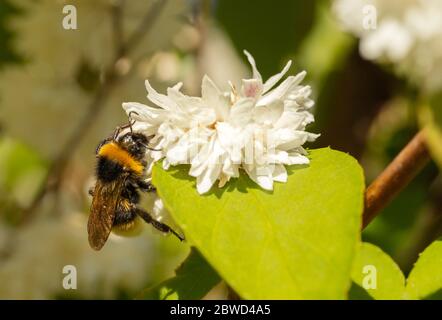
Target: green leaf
(371,262)
(430,116)
(424,281)
(295,242)
(193,280)
(426,277)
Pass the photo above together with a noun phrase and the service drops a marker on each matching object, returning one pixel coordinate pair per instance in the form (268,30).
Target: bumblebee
(115,197)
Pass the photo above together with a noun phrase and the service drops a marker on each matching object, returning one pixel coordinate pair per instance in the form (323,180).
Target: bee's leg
(91,191)
(145,186)
(156,224)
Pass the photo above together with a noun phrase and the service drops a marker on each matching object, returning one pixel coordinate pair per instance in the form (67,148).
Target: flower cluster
(407,34)
(259,128)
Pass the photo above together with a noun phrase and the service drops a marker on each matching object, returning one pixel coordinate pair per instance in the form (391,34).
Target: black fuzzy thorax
(108,170)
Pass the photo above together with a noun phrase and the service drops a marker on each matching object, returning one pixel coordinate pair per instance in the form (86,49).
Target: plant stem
(407,164)
(117,13)
(231,294)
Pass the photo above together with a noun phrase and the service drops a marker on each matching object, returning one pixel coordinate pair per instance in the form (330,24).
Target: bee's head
(135,143)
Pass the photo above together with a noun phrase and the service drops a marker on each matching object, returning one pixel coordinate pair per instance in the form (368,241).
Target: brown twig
(232,294)
(111,78)
(407,164)
(146,24)
(117,13)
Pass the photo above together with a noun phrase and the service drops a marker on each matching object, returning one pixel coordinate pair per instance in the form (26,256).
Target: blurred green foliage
(22,171)
(325,48)
(393,228)
(194,278)
(270,30)
(7,53)
(324,54)
(430,114)
(16,160)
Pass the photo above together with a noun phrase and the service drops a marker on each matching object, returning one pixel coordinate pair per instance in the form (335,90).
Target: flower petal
(280,173)
(241,112)
(256,74)
(265,182)
(260,175)
(280,91)
(209,88)
(251,88)
(206,180)
(294,120)
(141,112)
(178,86)
(231,139)
(160,100)
(214,99)
(275,79)
(268,114)
(297,158)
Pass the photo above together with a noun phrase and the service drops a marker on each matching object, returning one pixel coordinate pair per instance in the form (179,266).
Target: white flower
(408,35)
(258,129)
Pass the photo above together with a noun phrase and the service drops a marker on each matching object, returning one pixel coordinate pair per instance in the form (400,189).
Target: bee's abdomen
(108,170)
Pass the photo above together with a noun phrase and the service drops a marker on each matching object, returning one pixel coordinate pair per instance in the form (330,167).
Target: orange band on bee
(114,152)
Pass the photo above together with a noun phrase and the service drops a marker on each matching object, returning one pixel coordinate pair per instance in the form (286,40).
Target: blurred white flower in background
(40,30)
(408,35)
(33,268)
(259,128)
(62,68)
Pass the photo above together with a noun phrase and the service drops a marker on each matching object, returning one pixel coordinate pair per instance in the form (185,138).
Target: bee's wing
(104,204)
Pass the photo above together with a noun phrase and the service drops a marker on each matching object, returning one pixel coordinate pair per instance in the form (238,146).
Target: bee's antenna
(117,132)
(129,125)
(131,122)
(149,148)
